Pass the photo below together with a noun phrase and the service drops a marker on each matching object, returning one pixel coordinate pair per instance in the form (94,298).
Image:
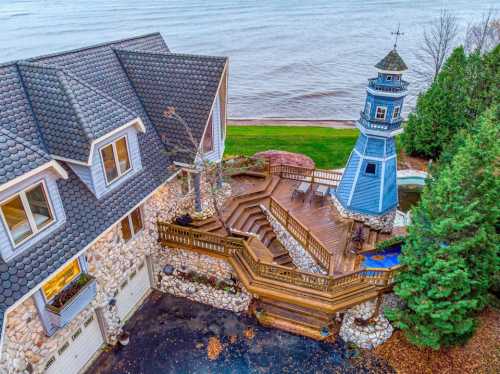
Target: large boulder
(289,158)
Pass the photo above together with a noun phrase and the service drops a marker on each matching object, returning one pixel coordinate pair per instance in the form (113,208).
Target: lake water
(289,58)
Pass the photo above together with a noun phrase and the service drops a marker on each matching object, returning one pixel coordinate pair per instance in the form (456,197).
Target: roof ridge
(19,139)
(98,91)
(98,45)
(152,53)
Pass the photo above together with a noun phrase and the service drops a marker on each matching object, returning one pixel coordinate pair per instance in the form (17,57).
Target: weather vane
(397,33)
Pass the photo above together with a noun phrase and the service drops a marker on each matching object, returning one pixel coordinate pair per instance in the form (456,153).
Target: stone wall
(110,261)
(383,223)
(185,261)
(374,333)
(300,257)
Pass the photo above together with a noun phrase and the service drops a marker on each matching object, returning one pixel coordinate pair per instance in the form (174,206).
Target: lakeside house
(93,173)
(84,173)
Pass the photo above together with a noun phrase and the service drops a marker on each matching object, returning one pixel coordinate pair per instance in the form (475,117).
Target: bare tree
(484,35)
(438,42)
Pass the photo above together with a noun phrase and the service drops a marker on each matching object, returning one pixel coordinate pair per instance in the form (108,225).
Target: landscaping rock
(288,158)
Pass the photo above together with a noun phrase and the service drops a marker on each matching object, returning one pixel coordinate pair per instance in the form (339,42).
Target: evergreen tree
(451,252)
(440,110)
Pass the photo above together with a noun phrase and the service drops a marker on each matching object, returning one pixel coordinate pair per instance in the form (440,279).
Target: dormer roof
(71,113)
(392,62)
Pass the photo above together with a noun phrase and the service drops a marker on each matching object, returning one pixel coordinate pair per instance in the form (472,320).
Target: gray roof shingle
(187,82)
(392,62)
(70,113)
(18,157)
(89,70)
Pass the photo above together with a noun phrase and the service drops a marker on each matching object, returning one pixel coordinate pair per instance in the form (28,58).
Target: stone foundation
(383,223)
(300,257)
(372,334)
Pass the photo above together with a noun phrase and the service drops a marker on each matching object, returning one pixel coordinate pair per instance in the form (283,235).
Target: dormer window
(381,112)
(27,213)
(115,159)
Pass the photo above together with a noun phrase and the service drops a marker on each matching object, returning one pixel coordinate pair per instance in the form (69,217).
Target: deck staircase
(243,214)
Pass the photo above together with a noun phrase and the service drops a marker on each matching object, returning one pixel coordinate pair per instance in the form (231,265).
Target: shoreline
(297,122)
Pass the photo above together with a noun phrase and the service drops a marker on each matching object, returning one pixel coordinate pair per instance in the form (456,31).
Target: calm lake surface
(289,58)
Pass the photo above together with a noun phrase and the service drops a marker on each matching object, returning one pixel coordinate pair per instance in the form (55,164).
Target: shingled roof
(26,127)
(17,157)
(392,62)
(186,82)
(71,114)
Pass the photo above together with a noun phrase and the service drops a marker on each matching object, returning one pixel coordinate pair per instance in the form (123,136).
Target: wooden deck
(323,221)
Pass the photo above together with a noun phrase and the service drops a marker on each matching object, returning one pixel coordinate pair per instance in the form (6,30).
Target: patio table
(321,192)
(302,190)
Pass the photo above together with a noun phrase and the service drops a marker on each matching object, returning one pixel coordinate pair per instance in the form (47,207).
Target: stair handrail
(302,234)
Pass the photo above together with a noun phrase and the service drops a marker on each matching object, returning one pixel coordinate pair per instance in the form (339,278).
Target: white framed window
(368,108)
(132,224)
(397,77)
(371,169)
(115,159)
(381,112)
(389,77)
(396,111)
(27,213)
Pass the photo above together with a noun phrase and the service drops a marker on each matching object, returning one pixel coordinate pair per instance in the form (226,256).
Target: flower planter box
(61,316)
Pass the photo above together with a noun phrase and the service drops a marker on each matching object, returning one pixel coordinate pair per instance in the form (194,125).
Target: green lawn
(329,148)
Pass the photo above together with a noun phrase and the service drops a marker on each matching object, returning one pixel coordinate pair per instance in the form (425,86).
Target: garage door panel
(132,291)
(78,349)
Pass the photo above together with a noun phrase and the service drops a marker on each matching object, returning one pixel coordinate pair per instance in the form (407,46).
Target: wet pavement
(174,335)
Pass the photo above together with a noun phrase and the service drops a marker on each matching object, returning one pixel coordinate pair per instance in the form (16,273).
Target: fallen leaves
(481,355)
(214,348)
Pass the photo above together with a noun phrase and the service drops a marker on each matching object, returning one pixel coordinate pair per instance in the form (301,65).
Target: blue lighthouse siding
(375,147)
(366,192)
(389,102)
(344,189)
(390,191)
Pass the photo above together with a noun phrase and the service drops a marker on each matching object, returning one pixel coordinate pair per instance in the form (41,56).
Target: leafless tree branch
(438,42)
(484,35)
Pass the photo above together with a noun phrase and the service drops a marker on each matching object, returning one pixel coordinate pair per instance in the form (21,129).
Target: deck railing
(216,245)
(302,234)
(319,176)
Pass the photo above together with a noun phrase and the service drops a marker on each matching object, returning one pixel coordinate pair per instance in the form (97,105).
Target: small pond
(382,259)
(409,196)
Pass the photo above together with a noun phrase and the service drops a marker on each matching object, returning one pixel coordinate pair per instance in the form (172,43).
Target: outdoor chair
(301,191)
(320,194)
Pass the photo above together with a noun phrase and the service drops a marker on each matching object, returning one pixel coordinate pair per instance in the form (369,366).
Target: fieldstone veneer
(27,348)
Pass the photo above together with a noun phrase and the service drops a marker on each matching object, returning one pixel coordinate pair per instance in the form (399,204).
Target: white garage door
(132,291)
(77,350)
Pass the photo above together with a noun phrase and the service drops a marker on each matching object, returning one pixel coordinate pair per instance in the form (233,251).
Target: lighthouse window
(389,77)
(371,168)
(395,113)
(381,111)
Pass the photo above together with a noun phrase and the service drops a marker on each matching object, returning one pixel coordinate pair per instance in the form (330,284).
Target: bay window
(115,159)
(27,213)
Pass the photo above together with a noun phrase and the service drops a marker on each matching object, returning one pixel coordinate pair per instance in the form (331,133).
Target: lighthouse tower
(368,189)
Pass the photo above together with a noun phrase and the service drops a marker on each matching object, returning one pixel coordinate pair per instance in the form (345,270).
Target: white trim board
(48,165)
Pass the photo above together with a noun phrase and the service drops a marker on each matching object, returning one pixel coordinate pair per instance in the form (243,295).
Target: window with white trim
(381,112)
(395,113)
(131,224)
(27,213)
(389,78)
(397,77)
(115,159)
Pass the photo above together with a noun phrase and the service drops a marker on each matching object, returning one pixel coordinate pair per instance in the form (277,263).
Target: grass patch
(329,148)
